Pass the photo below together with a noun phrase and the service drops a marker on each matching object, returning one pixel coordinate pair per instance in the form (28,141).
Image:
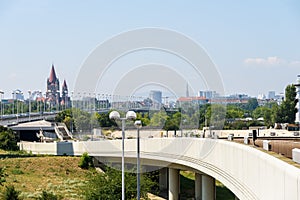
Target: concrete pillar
(208,188)
(163,179)
(198,186)
(173,184)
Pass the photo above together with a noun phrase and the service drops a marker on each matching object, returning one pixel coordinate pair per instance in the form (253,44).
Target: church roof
(52,77)
(64,84)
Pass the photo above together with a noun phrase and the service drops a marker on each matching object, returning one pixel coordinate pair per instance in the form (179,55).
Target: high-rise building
(156,96)
(271,95)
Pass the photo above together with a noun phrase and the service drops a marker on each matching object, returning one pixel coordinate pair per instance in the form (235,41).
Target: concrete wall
(247,172)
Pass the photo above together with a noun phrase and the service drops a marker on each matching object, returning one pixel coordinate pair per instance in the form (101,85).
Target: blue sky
(255,44)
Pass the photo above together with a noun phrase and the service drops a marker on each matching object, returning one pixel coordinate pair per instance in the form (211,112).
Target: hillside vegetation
(59,175)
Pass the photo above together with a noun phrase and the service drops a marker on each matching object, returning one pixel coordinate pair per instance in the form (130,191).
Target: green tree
(233,112)
(8,140)
(287,109)
(85,161)
(104,120)
(108,186)
(173,122)
(158,119)
(252,104)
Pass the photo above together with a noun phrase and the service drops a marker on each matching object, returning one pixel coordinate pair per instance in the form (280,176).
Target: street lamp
(1,97)
(138,125)
(130,115)
(29,100)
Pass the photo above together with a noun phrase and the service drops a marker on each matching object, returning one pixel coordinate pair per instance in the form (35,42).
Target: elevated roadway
(248,172)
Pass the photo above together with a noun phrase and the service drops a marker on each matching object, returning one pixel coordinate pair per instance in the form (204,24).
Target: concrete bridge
(248,172)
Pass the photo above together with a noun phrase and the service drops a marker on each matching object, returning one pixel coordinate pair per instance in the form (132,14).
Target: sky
(255,45)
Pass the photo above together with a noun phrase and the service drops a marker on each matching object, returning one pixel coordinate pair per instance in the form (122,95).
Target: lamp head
(114,115)
(138,124)
(131,115)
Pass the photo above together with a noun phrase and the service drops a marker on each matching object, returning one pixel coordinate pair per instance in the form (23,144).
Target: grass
(32,175)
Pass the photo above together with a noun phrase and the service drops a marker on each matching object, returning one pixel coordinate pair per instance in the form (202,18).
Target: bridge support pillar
(173,184)
(163,179)
(198,186)
(208,188)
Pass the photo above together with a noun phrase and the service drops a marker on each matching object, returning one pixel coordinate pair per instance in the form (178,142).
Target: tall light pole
(130,115)
(29,100)
(138,125)
(1,97)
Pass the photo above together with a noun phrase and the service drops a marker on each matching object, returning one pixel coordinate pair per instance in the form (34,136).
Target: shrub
(48,196)
(2,175)
(8,140)
(85,161)
(11,193)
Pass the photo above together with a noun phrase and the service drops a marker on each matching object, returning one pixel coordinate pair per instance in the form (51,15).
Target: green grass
(59,175)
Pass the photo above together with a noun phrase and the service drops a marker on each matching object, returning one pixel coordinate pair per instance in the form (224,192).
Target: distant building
(208,94)
(156,96)
(271,95)
(261,97)
(53,91)
(65,99)
(194,100)
(18,95)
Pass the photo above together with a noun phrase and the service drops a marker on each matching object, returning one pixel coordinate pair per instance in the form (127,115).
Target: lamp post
(130,115)
(138,125)
(1,97)
(29,100)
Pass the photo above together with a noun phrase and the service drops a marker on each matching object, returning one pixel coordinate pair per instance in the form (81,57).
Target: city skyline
(255,45)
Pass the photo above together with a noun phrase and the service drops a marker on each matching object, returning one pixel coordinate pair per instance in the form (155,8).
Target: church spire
(187,90)
(52,77)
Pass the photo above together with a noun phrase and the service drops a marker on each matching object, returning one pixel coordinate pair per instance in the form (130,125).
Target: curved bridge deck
(249,173)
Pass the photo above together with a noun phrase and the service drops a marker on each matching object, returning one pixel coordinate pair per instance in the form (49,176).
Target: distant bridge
(11,120)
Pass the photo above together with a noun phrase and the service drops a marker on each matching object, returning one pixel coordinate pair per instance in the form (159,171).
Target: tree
(252,104)
(233,112)
(287,110)
(108,186)
(85,161)
(173,122)
(8,140)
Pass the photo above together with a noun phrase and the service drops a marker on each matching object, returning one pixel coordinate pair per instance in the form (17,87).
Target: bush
(85,161)
(8,140)
(2,175)
(108,186)
(11,193)
(48,196)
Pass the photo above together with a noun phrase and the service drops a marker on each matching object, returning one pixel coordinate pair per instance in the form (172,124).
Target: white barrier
(296,155)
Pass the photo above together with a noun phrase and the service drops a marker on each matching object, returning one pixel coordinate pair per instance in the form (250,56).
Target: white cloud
(295,63)
(272,60)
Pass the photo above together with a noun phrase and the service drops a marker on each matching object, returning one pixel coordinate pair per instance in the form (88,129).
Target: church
(53,97)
